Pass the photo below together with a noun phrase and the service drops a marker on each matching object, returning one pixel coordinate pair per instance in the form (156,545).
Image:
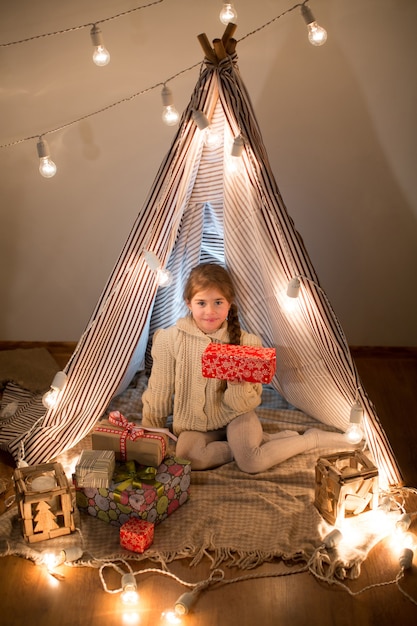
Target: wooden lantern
(346,485)
(43,495)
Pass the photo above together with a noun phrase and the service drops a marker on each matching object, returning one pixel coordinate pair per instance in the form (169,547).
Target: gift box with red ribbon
(239,363)
(130,441)
(136,491)
(136,535)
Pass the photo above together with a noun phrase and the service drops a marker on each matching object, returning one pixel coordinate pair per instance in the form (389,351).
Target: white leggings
(244,441)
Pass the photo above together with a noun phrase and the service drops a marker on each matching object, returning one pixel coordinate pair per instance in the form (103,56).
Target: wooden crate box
(46,513)
(346,485)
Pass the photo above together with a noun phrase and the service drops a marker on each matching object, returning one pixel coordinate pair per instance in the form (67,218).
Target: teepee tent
(198,210)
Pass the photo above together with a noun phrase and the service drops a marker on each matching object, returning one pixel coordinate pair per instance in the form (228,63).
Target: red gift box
(136,535)
(244,363)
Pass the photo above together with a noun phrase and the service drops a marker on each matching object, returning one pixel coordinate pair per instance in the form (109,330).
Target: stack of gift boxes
(130,480)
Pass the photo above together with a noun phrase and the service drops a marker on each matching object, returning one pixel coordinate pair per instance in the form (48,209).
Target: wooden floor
(31,596)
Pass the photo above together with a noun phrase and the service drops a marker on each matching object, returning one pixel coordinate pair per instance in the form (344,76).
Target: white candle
(43,483)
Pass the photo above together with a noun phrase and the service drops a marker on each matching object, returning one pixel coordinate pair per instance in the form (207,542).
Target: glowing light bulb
(53,559)
(152,260)
(47,167)
(211,139)
(236,163)
(130,618)
(129,593)
(50,398)
(170,115)
(170,617)
(163,277)
(182,607)
(317,35)
(228,13)
(289,298)
(354,432)
(101,55)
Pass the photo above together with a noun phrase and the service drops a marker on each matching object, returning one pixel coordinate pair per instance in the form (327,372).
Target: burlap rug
(32,369)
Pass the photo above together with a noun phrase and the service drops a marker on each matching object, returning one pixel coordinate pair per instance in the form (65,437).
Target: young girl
(215,422)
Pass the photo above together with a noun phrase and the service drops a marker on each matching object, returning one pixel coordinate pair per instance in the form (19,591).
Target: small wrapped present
(136,534)
(239,363)
(95,468)
(147,493)
(130,441)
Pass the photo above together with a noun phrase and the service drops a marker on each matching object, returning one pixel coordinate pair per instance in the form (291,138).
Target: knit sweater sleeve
(157,399)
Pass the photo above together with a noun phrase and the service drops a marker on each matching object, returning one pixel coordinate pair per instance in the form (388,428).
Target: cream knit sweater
(177,387)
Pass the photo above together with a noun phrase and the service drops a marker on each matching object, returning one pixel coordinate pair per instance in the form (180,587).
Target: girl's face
(209,309)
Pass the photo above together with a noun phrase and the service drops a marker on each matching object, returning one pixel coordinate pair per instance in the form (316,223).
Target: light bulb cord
(137,94)
(81,26)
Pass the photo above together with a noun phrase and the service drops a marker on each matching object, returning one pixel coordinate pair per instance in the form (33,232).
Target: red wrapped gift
(136,534)
(244,363)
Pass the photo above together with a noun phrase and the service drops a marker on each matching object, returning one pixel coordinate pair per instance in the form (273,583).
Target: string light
(47,167)
(129,586)
(50,398)
(228,13)
(235,162)
(211,139)
(332,539)
(354,432)
(293,288)
(101,55)
(74,28)
(163,276)
(170,115)
(53,559)
(134,95)
(317,35)
(403,523)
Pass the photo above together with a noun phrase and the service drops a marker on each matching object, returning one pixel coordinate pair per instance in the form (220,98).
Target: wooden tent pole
(222,47)
(207,49)
(219,49)
(228,33)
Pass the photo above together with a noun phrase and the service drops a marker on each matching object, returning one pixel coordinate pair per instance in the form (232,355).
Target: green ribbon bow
(129,476)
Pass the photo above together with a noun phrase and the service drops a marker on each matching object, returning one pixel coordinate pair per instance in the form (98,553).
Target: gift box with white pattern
(239,363)
(136,535)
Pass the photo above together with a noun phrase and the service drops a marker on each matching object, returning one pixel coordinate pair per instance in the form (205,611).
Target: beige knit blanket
(233,518)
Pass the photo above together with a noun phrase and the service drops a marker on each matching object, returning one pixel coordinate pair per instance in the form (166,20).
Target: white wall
(339,124)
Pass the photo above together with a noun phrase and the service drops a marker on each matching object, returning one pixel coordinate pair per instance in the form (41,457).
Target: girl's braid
(233,325)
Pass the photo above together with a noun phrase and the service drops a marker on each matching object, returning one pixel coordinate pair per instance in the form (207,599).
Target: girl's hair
(208,275)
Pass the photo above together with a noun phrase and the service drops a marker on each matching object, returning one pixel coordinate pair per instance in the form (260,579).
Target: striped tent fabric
(198,210)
